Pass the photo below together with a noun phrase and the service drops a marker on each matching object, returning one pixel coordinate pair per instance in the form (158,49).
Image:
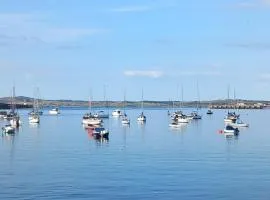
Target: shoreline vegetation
(27,102)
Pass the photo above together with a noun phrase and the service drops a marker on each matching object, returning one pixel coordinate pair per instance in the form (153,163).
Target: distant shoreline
(26,102)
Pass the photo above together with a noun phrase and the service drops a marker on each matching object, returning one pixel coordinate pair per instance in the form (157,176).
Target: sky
(73,49)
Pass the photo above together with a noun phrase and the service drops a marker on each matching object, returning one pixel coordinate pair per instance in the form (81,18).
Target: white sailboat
(54,111)
(117,113)
(195,114)
(102,114)
(8,129)
(141,117)
(88,118)
(125,120)
(178,118)
(34,115)
(14,117)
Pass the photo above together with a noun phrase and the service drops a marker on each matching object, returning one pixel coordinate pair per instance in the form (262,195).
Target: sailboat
(231,117)
(125,120)
(34,115)
(178,117)
(209,111)
(102,114)
(141,117)
(13,116)
(89,119)
(195,114)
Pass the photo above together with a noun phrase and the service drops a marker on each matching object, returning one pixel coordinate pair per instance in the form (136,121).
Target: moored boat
(88,118)
(230,130)
(34,118)
(125,119)
(209,112)
(100,132)
(8,129)
(141,118)
(101,114)
(117,113)
(54,111)
(239,123)
(3,114)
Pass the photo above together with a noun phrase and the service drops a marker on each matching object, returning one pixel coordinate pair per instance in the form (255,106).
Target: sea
(60,159)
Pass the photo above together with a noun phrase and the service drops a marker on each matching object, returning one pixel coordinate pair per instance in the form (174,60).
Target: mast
(198,95)
(177,95)
(105,98)
(124,103)
(228,97)
(142,101)
(90,101)
(13,104)
(234,98)
(182,96)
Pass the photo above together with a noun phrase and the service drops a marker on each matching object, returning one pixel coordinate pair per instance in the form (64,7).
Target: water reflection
(10,139)
(96,137)
(179,129)
(34,125)
(231,138)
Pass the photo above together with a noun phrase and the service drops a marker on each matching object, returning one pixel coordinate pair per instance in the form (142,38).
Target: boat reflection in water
(97,133)
(181,127)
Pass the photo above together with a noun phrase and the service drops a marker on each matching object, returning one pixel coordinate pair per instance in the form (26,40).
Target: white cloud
(197,73)
(16,28)
(146,73)
(253,4)
(154,5)
(131,9)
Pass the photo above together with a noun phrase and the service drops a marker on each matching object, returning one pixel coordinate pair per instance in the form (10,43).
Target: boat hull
(34,119)
(92,121)
(53,112)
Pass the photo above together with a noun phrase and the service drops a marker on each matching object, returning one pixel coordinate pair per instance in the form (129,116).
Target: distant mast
(13,103)
(142,101)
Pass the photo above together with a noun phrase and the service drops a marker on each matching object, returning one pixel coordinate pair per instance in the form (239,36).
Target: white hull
(34,119)
(125,121)
(8,129)
(227,120)
(141,119)
(54,112)
(239,125)
(229,131)
(116,113)
(182,120)
(15,122)
(92,121)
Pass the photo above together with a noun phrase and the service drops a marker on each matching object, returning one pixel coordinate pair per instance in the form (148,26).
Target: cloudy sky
(69,47)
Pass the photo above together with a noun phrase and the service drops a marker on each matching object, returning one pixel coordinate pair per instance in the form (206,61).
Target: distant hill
(26,102)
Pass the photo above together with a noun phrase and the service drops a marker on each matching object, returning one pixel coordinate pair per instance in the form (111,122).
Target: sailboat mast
(198,94)
(182,96)
(13,104)
(124,104)
(105,98)
(142,101)
(90,101)
(228,97)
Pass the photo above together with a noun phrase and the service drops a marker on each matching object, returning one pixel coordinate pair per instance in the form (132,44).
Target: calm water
(59,160)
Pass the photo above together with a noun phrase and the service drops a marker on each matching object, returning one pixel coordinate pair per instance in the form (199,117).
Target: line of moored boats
(232,121)
(95,121)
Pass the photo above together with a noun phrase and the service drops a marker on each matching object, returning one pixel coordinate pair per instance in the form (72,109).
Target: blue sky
(69,47)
